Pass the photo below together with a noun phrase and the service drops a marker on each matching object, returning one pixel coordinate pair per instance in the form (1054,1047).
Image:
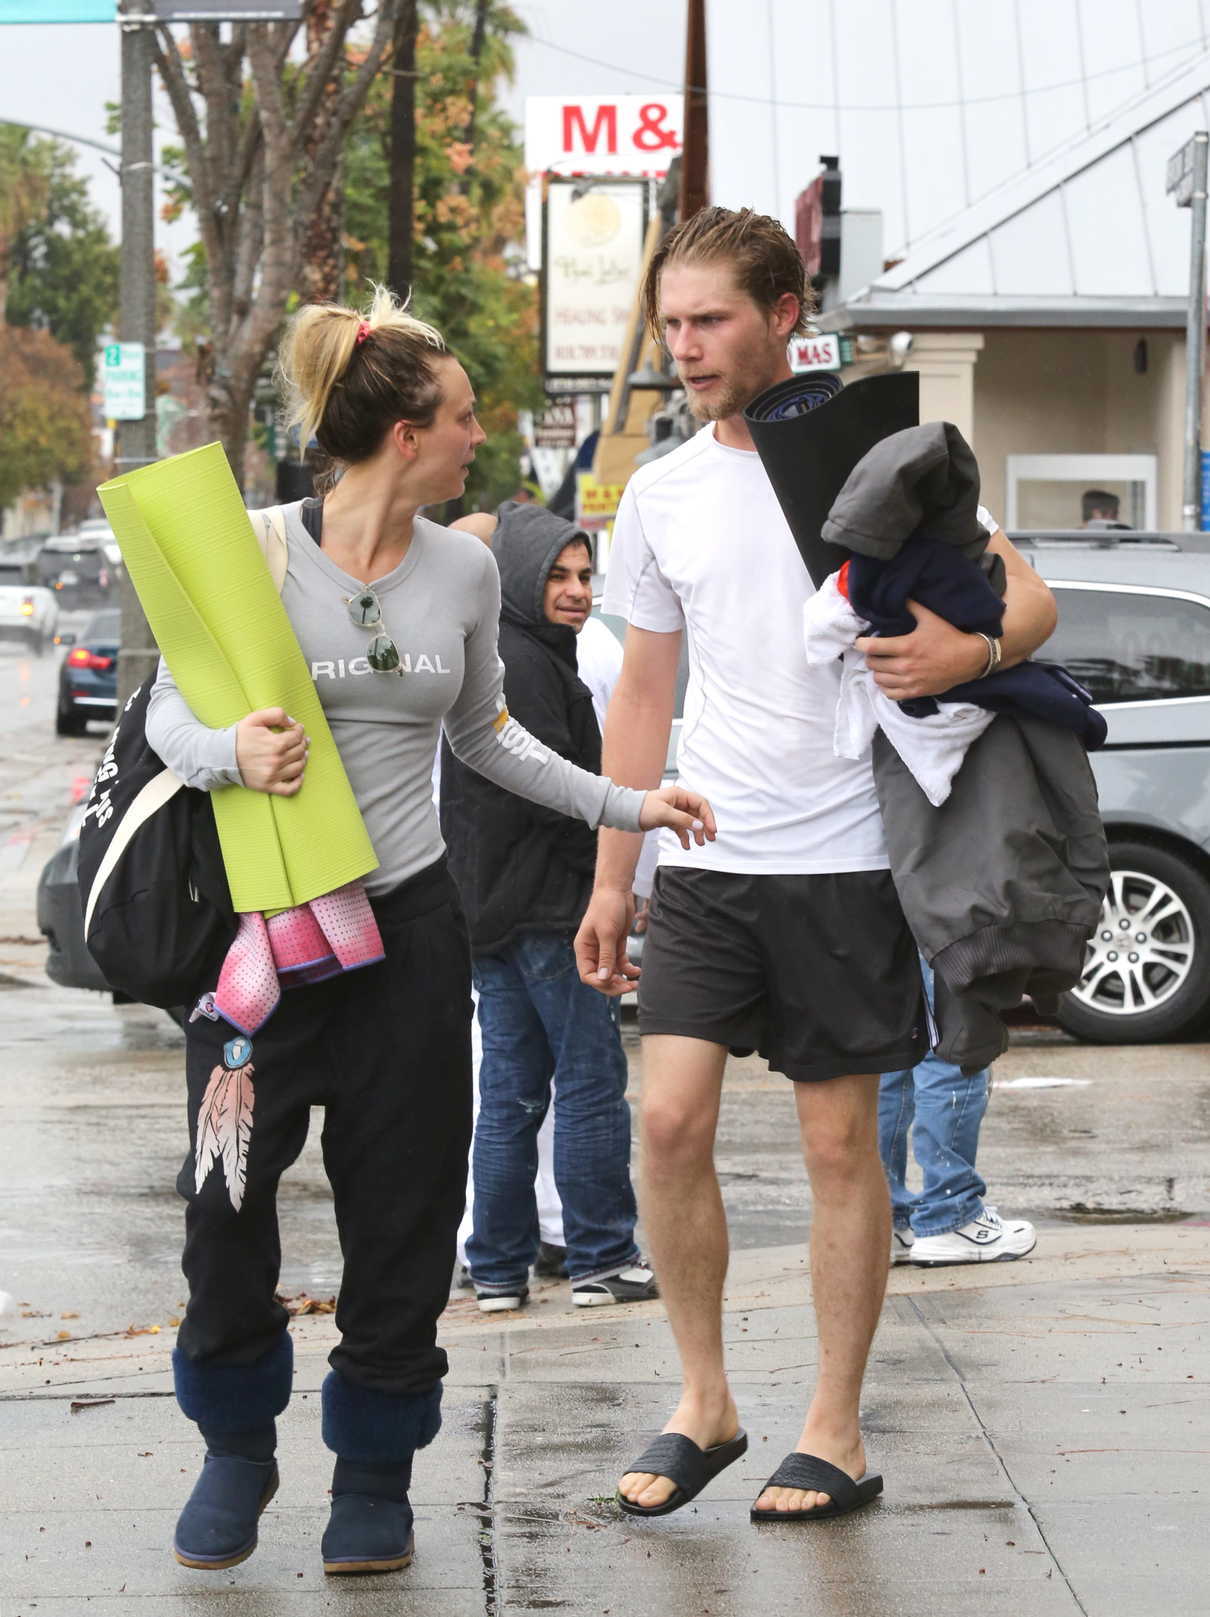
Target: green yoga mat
(193,558)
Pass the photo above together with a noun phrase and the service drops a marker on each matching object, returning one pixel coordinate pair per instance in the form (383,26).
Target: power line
(1195,46)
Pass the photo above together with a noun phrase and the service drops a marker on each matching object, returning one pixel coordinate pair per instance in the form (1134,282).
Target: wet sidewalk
(1043,1428)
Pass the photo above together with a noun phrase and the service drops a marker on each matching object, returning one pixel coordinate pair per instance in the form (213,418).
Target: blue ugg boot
(234,1407)
(374,1435)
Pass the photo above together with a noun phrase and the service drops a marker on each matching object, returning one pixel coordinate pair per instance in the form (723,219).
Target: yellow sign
(596,503)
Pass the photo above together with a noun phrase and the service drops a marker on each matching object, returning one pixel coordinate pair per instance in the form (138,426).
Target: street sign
(58,10)
(226,10)
(596,503)
(1181,172)
(820,353)
(124,376)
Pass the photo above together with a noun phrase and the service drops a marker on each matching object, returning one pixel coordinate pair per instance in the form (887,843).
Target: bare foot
(705,1422)
(846,1451)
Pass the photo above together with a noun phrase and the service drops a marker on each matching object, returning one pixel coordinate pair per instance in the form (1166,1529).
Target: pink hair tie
(363,331)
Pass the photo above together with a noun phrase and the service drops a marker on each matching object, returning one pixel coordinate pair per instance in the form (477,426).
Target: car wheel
(69,724)
(1147,975)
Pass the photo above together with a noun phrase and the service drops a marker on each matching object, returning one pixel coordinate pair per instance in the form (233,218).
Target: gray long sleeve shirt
(441,607)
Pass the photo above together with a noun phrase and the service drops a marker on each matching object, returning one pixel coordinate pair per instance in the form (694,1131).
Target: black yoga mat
(810,432)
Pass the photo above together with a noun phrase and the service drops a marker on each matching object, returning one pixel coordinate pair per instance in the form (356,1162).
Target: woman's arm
(266,751)
(488,739)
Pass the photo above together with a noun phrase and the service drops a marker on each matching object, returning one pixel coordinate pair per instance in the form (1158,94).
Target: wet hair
(766,262)
(350,376)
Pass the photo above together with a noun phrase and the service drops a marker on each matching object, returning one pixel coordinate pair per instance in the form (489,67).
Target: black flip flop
(680,1460)
(806,1471)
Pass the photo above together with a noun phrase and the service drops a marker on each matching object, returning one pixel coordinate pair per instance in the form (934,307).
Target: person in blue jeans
(948,1220)
(524,875)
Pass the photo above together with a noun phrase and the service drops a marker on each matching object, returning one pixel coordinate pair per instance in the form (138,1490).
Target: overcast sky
(931,104)
(62,76)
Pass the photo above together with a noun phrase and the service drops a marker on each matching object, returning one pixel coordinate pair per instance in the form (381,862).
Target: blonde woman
(397,618)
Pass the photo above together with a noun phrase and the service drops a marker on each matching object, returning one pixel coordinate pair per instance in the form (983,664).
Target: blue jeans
(541,1024)
(947,1110)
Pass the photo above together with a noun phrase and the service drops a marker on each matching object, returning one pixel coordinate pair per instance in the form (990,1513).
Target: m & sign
(623,134)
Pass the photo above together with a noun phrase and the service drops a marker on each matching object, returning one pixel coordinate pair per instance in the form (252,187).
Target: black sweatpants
(385,1050)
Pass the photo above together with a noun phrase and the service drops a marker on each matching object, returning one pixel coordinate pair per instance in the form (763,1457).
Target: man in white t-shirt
(784,935)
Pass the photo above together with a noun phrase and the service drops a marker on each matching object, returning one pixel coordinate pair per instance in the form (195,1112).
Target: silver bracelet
(994,653)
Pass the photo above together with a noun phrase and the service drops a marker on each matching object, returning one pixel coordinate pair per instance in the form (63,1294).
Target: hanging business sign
(818,353)
(595,134)
(58,10)
(555,428)
(592,253)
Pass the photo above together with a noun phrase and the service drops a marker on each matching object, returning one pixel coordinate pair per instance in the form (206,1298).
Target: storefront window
(1048,492)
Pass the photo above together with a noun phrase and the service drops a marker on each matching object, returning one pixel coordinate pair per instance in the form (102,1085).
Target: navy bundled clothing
(967,594)
(1002,884)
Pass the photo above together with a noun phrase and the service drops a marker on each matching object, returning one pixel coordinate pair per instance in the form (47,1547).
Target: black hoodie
(520,867)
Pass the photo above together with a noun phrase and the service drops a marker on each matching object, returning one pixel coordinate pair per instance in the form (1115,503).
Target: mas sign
(624,134)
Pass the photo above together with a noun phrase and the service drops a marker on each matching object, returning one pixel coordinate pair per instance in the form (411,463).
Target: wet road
(92,1120)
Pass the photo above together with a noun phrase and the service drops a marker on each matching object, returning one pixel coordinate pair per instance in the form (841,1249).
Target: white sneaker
(902,1242)
(986,1239)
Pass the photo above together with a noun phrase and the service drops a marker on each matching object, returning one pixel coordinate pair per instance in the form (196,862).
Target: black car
(88,676)
(77,568)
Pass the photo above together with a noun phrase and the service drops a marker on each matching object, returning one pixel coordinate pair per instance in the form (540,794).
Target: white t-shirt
(700,543)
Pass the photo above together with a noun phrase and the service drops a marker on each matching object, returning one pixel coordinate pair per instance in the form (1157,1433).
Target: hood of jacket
(526,543)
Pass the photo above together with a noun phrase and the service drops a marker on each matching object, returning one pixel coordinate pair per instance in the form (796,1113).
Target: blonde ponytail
(350,376)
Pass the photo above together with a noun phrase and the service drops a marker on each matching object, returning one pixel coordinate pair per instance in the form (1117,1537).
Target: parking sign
(124,376)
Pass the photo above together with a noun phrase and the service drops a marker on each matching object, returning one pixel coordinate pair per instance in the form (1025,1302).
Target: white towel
(932,748)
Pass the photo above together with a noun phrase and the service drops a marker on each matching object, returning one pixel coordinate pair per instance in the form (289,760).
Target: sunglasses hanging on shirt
(382,654)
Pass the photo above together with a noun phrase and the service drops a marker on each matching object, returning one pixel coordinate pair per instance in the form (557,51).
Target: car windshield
(102,626)
(10,575)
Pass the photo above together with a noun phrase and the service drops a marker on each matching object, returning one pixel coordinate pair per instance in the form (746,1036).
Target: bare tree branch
(318,74)
(322,164)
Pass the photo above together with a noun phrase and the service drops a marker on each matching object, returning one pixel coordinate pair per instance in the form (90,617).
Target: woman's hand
(686,813)
(271,752)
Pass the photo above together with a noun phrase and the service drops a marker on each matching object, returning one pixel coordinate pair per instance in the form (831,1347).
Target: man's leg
(945,1138)
(686,1230)
(850,1233)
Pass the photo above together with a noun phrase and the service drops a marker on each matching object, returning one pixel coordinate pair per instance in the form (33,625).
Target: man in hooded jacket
(525,874)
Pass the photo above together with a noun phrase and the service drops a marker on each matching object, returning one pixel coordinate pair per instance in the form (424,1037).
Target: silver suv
(1134,627)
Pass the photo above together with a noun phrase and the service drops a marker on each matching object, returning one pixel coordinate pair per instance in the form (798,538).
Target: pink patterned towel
(329,935)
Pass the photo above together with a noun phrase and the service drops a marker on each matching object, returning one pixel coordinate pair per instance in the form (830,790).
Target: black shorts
(819,973)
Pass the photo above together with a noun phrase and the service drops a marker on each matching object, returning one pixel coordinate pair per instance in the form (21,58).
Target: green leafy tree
(469,217)
(62,266)
(22,194)
(45,427)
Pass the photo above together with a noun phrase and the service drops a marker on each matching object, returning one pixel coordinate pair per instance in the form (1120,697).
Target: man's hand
(271,752)
(934,657)
(686,813)
(601,943)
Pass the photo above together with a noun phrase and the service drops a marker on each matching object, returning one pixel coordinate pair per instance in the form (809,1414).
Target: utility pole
(136,304)
(695,164)
(1187,181)
(401,204)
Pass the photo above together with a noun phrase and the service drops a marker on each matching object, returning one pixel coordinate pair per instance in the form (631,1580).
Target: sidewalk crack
(1000,1461)
(489,1421)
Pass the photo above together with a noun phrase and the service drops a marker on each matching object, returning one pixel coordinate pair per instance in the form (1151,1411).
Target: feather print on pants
(224,1129)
